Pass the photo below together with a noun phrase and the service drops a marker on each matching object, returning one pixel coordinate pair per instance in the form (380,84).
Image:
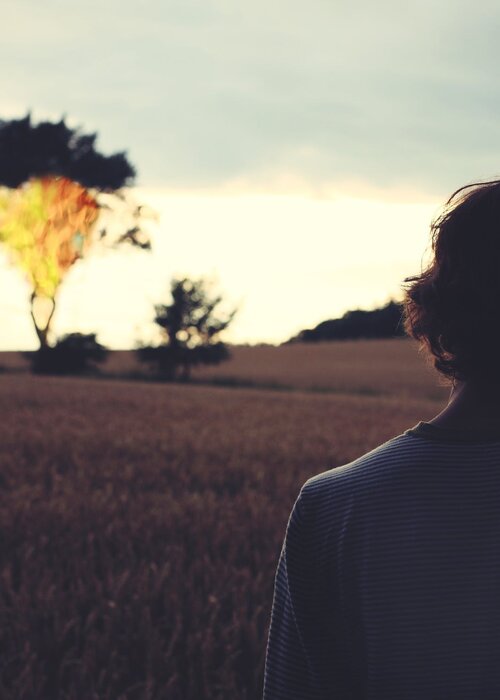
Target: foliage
(31,151)
(74,353)
(141,529)
(168,358)
(385,322)
(191,327)
(46,225)
(53,183)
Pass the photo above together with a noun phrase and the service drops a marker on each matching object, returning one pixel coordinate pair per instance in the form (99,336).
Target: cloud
(203,94)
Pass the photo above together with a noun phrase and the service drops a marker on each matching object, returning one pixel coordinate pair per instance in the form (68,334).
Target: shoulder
(388,467)
(333,500)
(377,460)
(398,466)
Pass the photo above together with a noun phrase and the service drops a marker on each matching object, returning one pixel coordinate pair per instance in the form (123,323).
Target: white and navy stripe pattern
(388,581)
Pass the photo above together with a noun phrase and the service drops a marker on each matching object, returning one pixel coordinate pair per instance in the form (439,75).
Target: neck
(471,406)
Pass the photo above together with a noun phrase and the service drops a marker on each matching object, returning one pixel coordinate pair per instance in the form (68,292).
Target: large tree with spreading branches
(54,186)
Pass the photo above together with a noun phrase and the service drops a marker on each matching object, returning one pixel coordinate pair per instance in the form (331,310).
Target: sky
(295,152)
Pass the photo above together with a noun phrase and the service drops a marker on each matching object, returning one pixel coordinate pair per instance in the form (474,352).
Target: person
(388,581)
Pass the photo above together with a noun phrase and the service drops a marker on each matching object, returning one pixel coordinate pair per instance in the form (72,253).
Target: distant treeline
(386,322)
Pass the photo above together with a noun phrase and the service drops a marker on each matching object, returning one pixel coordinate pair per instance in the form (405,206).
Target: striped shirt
(388,581)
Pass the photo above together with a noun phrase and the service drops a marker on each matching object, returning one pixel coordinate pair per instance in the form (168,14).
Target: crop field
(141,524)
(364,367)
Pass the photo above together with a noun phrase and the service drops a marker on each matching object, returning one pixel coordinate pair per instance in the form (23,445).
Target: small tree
(54,184)
(191,328)
(74,353)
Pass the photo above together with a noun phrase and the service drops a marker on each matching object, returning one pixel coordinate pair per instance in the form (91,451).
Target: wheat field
(141,523)
(364,367)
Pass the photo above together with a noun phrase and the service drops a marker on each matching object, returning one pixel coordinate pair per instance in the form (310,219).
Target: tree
(32,151)
(74,353)
(191,328)
(54,186)
(385,322)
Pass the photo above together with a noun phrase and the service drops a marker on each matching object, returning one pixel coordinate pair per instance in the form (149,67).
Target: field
(367,368)
(141,523)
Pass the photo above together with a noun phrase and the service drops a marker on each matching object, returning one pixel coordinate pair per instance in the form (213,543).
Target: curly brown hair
(453,306)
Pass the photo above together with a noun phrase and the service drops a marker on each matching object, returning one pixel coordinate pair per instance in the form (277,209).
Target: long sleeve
(291,669)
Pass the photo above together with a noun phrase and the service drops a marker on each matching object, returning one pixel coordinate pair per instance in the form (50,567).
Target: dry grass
(367,367)
(141,526)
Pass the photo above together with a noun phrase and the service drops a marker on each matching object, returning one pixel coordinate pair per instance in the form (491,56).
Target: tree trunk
(186,372)
(42,329)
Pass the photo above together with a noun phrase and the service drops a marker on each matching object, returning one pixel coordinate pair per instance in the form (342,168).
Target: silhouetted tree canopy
(385,322)
(54,185)
(191,327)
(74,353)
(30,150)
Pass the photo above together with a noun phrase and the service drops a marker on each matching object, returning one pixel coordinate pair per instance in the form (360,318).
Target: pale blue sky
(394,104)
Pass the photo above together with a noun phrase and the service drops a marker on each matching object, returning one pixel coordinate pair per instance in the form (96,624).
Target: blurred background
(207,211)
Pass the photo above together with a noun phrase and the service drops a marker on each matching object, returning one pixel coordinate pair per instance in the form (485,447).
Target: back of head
(453,306)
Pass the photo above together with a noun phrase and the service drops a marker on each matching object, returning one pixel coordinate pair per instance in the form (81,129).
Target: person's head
(453,306)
